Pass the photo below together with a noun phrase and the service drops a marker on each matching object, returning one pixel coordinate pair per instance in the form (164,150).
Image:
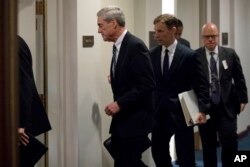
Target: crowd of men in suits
(146,84)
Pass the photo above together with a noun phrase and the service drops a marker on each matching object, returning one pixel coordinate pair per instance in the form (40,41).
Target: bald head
(210,35)
(209,27)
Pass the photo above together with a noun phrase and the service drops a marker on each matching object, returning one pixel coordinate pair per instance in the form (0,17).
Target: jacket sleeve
(239,79)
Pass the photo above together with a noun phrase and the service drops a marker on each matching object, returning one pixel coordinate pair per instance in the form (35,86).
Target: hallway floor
(244,144)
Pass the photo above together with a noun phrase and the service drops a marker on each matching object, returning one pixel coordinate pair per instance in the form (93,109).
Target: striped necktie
(114,60)
(215,88)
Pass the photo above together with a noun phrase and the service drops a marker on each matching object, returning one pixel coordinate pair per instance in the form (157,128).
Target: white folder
(189,104)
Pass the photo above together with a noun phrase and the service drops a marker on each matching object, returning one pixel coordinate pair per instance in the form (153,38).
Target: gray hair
(112,13)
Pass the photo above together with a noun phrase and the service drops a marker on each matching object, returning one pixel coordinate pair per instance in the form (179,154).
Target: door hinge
(40,7)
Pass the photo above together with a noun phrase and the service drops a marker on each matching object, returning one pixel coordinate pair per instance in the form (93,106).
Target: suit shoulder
(184,48)
(132,38)
(184,42)
(133,42)
(155,50)
(226,49)
(199,50)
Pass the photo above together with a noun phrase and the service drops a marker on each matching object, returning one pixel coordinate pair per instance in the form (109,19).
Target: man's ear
(114,23)
(174,29)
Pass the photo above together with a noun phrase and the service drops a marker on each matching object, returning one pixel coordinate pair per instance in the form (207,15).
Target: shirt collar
(215,51)
(118,42)
(171,48)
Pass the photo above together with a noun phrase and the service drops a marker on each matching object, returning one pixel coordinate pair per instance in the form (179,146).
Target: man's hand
(201,118)
(112,108)
(242,106)
(23,137)
(109,79)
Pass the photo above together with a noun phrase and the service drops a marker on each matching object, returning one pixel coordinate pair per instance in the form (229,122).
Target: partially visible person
(178,34)
(33,118)
(179,30)
(132,82)
(228,94)
(177,69)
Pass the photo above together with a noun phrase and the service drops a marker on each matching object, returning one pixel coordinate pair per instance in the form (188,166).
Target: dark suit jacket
(184,74)
(132,88)
(184,42)
(32,114)
(232,81)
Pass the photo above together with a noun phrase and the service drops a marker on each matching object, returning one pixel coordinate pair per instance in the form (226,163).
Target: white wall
(241,36)
(54,96)
(225,21)
(91,81)
(27,25)
(62,83)
(188,12)
(145,12)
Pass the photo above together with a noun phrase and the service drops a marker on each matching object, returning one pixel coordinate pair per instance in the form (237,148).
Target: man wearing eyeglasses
(228,95)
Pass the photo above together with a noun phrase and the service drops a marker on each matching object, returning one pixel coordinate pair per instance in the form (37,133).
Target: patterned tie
(215,89)
(114,60)
(166,62)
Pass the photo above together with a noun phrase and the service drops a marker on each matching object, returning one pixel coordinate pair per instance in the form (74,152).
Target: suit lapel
(176,59)
(204,62)
(222,57)
(156,61)
(121,57)
(175,62)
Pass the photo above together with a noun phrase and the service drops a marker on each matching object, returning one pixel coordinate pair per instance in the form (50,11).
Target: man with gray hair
(132,83)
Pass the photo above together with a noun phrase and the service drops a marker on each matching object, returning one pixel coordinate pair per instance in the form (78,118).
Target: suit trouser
(180,140)
(161,135)
(226,128)
(128,151)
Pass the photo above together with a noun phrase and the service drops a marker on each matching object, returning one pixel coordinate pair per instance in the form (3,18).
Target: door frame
(8,86)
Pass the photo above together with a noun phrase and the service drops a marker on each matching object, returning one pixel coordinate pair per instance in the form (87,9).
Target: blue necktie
(114,60)
(215,88)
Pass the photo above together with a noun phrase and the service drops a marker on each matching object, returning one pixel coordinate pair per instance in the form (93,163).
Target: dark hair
(169,20)
(179,23)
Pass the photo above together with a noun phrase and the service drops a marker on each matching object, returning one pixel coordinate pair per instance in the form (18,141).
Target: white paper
(189,104)
(224,62)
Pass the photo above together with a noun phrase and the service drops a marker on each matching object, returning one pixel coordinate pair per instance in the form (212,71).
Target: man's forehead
(209,31)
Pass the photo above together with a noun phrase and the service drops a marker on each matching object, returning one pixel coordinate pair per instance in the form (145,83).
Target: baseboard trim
(244,132)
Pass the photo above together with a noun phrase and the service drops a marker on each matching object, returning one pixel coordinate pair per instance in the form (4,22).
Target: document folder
(107,143)
(31,153)
(189,104)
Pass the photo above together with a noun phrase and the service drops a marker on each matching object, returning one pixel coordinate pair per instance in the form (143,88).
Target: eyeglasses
(209,36)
